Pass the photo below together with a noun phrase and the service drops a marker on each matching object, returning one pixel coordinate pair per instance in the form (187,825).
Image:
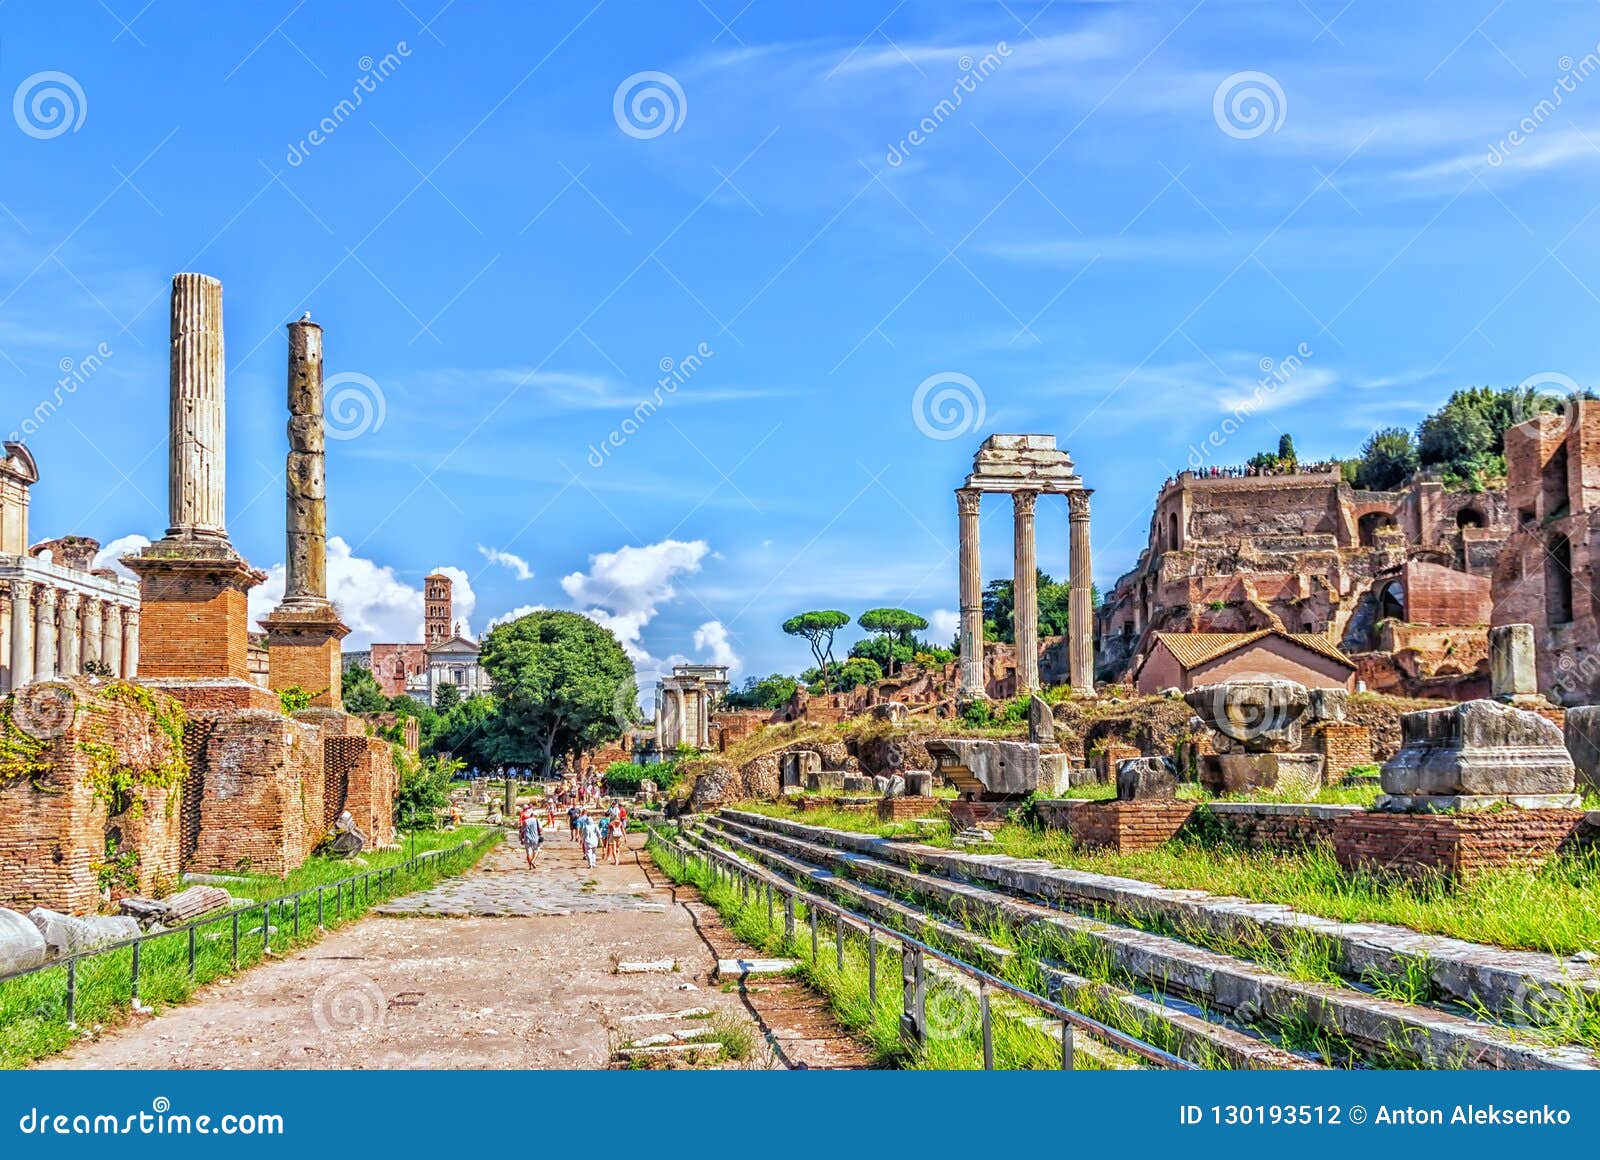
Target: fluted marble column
(130,643)
(45,660)
(68,642)
(968,506)
(1025,591)
(90,631)
(111,640)
(1080,607)
(196,489)
(21,633)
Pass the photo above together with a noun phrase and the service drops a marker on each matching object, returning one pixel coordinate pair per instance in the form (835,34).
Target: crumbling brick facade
(1452,845)
(62,828)
(1299,553)
(1343,747)
(260,788)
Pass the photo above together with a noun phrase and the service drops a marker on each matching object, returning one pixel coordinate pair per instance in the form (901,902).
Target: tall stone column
(21,633)
(1080,607)
(130,643)
(90,632)
(193,586)
(304,631)
(111,640)
(1025,591)
(45,660)
(69,645)
(197,470)
(968,503)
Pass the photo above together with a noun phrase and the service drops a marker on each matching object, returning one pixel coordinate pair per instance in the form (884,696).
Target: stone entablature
(54,620)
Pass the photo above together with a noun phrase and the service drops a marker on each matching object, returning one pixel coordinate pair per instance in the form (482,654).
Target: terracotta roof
(1197,648)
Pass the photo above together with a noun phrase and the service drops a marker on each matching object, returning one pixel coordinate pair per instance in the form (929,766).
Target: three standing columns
(1080,638)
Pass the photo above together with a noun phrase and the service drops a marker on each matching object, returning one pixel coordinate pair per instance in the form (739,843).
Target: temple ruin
(684,704)
(1024,467)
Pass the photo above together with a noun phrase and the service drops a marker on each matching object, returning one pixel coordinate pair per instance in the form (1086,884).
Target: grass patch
(33,1012)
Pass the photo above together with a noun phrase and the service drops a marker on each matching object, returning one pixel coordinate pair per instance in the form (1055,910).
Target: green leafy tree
(561,682)
(1387,457)
(771,692)
(424,790)
(855,671)
(999,608)
(361,691)
(446,697)
(895,626)
(818,628)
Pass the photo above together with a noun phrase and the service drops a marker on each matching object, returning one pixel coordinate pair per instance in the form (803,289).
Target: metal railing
(727,867)
(360,885)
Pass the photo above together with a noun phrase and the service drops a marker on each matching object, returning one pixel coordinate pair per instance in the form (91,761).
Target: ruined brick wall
(1106,757)
(1343,747)
(394,664)
(54,824)
(1436,595)
(1270,827)
(257,805)
(370,790)
(341,755)
(1452,845)
(1127,826)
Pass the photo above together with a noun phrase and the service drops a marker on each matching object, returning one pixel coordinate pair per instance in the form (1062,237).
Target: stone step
(1519,986)
(1217,981)
(1228,1045)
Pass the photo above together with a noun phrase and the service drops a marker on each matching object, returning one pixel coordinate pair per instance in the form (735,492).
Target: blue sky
(505,252)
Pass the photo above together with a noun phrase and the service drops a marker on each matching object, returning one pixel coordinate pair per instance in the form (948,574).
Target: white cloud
(513,563)
(943,624)
(712,637)
(375,603)
(515,614)
(110,555)
(624,589)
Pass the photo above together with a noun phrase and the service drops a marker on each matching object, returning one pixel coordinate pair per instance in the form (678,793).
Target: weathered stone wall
(259,791)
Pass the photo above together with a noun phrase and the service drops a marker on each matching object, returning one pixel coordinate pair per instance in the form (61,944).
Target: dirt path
(516,970)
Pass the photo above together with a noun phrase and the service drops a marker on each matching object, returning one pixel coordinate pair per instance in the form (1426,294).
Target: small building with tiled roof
(1183,660)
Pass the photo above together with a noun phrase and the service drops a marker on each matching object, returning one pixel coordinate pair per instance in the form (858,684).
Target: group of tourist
(1246,471)
(600,838)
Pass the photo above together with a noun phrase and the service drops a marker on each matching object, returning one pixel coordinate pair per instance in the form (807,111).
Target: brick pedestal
(1453,845)
(894,809)
(257,793)
(1343,747)
(193,620)
(303,651)
(1127,826)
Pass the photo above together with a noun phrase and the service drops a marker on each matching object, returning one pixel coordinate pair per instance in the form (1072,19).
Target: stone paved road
(517,971)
